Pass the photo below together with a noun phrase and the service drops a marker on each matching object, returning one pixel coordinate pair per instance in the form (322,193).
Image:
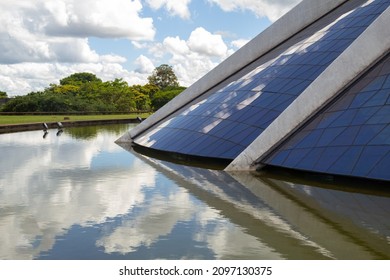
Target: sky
(43,41)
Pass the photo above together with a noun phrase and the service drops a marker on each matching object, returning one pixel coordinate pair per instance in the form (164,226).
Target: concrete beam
(370,46)
(302,15)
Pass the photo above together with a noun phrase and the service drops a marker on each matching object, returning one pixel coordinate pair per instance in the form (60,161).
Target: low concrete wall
(39,126)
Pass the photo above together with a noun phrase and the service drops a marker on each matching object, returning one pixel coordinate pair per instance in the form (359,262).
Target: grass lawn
(60,118)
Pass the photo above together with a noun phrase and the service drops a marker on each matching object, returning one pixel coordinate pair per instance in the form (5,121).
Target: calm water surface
(81,196)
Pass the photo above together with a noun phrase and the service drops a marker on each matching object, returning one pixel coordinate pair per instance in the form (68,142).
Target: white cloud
(191,67)
(43,41)
(272,9)
(103,18)
(174,7)
(203,42)
(53,211)
(56,31)
(112,58)
(194,57)
(145,65)
(175,45)
(191,58)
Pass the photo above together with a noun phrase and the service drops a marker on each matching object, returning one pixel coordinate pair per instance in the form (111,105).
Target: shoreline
(9,128)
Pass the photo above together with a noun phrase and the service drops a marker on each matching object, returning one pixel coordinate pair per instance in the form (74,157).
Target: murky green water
(79,195)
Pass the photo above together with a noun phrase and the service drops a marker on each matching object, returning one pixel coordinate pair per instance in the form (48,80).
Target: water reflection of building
(348,224)
(62,198)
(299,221)
(72,199)
(310,93)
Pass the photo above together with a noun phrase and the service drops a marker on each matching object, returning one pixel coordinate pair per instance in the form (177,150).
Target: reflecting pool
(78,195)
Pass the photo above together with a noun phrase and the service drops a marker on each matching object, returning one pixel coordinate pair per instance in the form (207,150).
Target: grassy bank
(25,119)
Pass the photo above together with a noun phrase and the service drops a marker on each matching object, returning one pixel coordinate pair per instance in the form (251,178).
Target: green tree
(64,89)
(163,76)
(3,94)
(164,96)
(26,103)
(143,95)
(84,92)
(118,94)
(80,78)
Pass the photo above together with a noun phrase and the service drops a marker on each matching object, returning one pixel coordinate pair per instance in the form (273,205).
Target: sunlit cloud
(174,7)
(262,8)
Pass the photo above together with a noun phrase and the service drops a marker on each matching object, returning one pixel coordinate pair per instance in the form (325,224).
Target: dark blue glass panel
(344,139)
(386,84)
(351,33)
(328,158)
(237,130)
(310,159)
(247,115)
(329,135)
(267,119)
(279,102)
(369,159)
(329,58)
(295,157)
(221,129)
(366,134)
(382,168)
(344,119)
(364,114)
(233,152)
(328,118)
(241,135)
(210,146)
(204,142)
(295,86)
(353,132)
(317,70)
(339,45)
(280,157)
(346,162)
(381,116)
(382,137)
(375,85)
(311,138)
(265,100)
(361,98)
(184,140)
(224,122)
(258,119)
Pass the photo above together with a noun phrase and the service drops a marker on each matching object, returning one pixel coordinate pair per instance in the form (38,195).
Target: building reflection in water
(81,196)
(297,220)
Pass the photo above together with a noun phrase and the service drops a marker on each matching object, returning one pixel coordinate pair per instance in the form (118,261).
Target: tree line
(85,92)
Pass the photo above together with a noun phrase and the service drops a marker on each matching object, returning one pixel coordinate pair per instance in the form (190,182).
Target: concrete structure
(245,111)
(300,17)
(359,56)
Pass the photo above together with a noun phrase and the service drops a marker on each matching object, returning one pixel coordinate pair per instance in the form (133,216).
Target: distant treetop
(79,78)
(163,76)
(3,94)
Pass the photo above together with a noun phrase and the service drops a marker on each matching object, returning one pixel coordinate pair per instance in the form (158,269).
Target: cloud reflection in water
(81,196)
(55,190)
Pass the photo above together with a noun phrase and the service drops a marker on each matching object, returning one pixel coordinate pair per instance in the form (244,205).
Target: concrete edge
(302,15)
(352,62)
(9,128)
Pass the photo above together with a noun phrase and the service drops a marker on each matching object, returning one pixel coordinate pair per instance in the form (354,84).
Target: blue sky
(42,41)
